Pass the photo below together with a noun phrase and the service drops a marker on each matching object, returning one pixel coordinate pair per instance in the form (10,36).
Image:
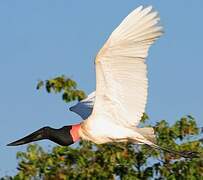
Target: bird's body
(116,107)
(105,131)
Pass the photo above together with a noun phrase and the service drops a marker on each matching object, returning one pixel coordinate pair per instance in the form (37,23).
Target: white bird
(121,81)
(112,113)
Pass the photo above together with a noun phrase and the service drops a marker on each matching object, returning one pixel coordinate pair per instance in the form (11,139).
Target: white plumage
(84,107)
(121,82)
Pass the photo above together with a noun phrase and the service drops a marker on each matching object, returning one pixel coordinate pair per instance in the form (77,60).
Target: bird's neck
(75,132)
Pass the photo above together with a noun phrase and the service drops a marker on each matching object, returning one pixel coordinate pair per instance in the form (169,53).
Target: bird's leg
(185,154)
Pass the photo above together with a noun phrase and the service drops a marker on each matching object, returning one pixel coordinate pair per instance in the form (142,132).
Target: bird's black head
(60,136)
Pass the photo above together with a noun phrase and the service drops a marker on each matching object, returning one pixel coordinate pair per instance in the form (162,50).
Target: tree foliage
(114,160)
(63,85)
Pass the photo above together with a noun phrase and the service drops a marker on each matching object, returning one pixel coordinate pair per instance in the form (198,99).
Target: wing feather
(121,72)
(84,107)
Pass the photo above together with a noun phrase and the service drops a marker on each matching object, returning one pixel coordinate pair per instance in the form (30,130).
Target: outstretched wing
(84,107)
(121,74)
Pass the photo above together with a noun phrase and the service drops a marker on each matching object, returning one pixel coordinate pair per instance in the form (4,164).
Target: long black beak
(35,136)
(60,136)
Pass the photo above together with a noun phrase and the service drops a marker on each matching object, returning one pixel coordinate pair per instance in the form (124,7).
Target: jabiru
(112,113)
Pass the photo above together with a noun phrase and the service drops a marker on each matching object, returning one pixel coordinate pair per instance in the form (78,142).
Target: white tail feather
(148,133)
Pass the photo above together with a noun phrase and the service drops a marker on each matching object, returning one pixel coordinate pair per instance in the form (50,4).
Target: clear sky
(43,39)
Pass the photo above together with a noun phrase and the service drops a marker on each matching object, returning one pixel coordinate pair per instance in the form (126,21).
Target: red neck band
(74,132)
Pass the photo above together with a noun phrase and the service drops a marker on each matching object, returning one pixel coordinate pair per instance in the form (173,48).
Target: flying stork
(112,113)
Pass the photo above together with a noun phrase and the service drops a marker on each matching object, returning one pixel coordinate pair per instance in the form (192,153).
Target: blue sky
(44,39)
